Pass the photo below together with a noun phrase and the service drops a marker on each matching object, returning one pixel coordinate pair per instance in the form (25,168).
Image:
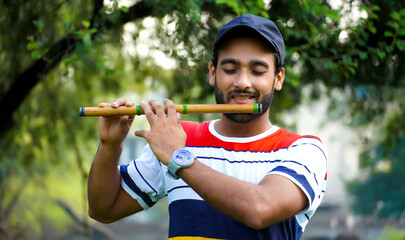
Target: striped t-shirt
(302,159)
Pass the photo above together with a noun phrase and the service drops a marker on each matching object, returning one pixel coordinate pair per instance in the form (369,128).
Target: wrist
(111,146)
(181,158)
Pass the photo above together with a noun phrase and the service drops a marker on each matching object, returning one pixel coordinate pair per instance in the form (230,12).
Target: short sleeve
(305,163)
(143,179)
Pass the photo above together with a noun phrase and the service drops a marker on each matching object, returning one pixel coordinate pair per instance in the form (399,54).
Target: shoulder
(285,138)
(308,148)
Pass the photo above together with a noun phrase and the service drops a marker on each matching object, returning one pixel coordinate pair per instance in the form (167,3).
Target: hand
(166,134)
(114,130)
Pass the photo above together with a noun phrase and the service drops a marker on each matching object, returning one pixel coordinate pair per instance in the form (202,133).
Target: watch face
(183,157)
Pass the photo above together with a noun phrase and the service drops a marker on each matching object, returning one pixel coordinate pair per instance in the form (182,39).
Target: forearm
(104,178)
(238,199)
(271,201)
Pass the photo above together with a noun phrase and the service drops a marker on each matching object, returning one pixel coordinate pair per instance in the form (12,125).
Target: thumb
(141,133)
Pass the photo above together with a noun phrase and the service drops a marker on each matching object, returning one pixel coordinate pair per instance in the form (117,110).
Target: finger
(141,133)
(171,110)
(119,102)
(129,104)
(123,121)
(130,120)
(131,117)
(104,104)
(178,116)
(159,110)
(150,115)
(127,121)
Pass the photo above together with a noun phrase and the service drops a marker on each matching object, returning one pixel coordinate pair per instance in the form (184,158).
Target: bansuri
(184,109)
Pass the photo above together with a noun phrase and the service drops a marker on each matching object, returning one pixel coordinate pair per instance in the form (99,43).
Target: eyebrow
(230,60)
(237,62)
(259,62)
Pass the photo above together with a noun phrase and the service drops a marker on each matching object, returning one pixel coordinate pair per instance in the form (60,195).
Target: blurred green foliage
(390,233)
(47,150)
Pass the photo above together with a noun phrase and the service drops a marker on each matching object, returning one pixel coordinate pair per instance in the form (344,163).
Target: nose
(242,80)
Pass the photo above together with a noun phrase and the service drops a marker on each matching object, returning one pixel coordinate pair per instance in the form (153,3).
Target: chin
(242,117)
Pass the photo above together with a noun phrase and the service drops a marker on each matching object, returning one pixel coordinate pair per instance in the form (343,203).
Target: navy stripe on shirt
(140,174)
(299,177)
(131,184)
(196,218)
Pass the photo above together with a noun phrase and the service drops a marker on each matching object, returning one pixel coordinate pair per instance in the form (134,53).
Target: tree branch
(23,84)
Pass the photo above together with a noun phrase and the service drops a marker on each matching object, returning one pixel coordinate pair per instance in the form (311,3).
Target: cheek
(224,82)
(264,86)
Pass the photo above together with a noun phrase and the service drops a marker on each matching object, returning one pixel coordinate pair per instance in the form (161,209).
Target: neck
(229,128)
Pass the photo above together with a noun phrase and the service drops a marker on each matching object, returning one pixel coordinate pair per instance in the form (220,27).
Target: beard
(244,117)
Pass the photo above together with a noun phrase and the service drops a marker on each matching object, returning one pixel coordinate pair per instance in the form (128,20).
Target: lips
(243,98)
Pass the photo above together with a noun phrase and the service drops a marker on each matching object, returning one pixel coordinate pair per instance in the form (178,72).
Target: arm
(274,199)
(108,201)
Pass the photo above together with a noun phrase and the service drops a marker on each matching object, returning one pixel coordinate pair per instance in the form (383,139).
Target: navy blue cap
(263,26)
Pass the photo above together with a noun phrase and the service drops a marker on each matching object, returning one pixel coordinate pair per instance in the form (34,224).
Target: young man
(239,177)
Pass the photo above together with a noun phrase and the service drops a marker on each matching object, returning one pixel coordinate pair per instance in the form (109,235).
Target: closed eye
(230,71)
(258,73)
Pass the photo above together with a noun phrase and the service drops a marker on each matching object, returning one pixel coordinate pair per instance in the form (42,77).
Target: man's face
(245,74)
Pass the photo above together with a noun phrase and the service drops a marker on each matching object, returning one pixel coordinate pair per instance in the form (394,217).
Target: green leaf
(124,9)
(400,44)
(373,16)
(395,15)
(401,32)
(330,65)
(361,42)
(352,70)
(381,54)
(389,48)
(87,40)
(393,24)
(347,59)
(36,54)
(67,60)
(402,12)
(39,24)
(372,29)
(363,55)
(92,30)
(32,45)
(364,8)
(388,34)
(86,24)
(375,8)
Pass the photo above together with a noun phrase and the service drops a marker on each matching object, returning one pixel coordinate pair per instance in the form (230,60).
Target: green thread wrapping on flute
(138,110)
(184,108)
(255,108)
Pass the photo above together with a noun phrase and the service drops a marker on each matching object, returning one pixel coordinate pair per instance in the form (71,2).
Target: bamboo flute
(184,109)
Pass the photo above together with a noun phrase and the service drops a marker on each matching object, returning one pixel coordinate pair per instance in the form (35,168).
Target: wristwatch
(181,158)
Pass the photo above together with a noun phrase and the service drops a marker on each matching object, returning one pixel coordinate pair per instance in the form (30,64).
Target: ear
(212,74)
(279,80)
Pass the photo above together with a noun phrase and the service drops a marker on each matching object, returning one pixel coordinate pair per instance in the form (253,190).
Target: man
(239,177)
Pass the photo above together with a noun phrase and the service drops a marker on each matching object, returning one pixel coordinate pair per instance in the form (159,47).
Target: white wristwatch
(181,158)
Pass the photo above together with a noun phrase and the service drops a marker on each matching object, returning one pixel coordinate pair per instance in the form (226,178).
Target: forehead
(246,48)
